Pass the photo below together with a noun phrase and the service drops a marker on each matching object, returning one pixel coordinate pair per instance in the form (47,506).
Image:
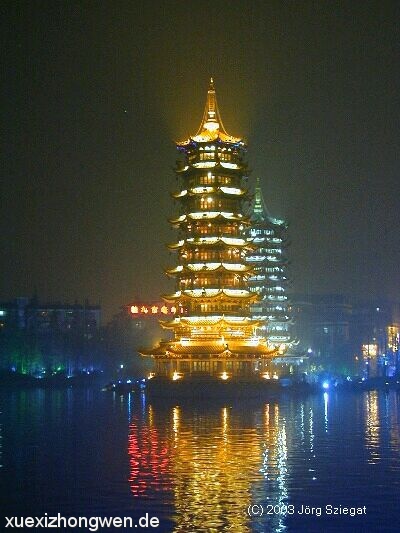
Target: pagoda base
(207,387)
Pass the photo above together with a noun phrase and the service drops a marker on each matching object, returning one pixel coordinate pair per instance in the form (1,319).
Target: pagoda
(270,279)
(216,336)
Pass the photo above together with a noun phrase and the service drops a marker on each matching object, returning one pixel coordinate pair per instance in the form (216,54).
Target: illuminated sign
(147,310)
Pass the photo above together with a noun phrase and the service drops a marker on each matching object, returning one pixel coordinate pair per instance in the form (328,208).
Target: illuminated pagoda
(269,280)
(216,336)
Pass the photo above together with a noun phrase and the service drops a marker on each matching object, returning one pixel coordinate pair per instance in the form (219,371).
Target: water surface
(203,466)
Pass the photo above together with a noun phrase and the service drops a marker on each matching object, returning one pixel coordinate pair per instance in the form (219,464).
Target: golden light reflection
(210,462)
(212,471)
(176,415)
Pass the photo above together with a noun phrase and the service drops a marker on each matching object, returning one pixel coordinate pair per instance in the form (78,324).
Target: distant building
(348,335)
(32,315)
(38,337)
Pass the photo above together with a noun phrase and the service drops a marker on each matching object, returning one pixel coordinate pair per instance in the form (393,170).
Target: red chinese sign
(154,309)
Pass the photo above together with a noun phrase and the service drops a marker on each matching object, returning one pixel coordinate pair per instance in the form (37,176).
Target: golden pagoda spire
(211,121)
(211,126)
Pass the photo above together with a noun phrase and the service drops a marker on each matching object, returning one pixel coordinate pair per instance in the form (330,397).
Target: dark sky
(95,93)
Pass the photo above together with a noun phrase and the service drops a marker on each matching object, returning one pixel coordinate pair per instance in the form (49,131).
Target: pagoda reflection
(212,462)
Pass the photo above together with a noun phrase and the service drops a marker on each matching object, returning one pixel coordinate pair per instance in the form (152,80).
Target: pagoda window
(233,253)
(229,230)
(206,202)
(205,255)
(205,230)
(203,282)
(207,156)
(209,179)
(224,180)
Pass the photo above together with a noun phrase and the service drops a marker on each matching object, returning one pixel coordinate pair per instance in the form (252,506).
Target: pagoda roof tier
(211,241)
(209,320)
(209,136)
(245,322)
(211,294)
(211,215)
(230,241)
(217,349)
(209,267)
(158,351)
(219,166)
(272,241)
(229,191)
(220,349)
(267,260)
(211,127)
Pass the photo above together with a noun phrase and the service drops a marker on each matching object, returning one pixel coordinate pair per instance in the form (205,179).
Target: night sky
(95,93)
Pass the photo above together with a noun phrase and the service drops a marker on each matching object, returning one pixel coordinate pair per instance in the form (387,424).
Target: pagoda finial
(260,209)
(211,127)
(211,118)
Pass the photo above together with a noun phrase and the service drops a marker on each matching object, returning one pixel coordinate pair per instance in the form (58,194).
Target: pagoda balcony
(255,258)
(210,294)
(210,267)
(215,163)
(231,241)
(210,215)
(200,190)
(212,317)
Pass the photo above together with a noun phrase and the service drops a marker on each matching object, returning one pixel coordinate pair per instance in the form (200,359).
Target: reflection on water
(326,399)
(1,440)
(372,428)
(394,423)
(148,456)
(216,461)
(198,467)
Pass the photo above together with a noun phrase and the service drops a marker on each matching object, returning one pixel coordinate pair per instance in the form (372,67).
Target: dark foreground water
(203,467)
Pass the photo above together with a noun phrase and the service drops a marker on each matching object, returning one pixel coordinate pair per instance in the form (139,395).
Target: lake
(291,464)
